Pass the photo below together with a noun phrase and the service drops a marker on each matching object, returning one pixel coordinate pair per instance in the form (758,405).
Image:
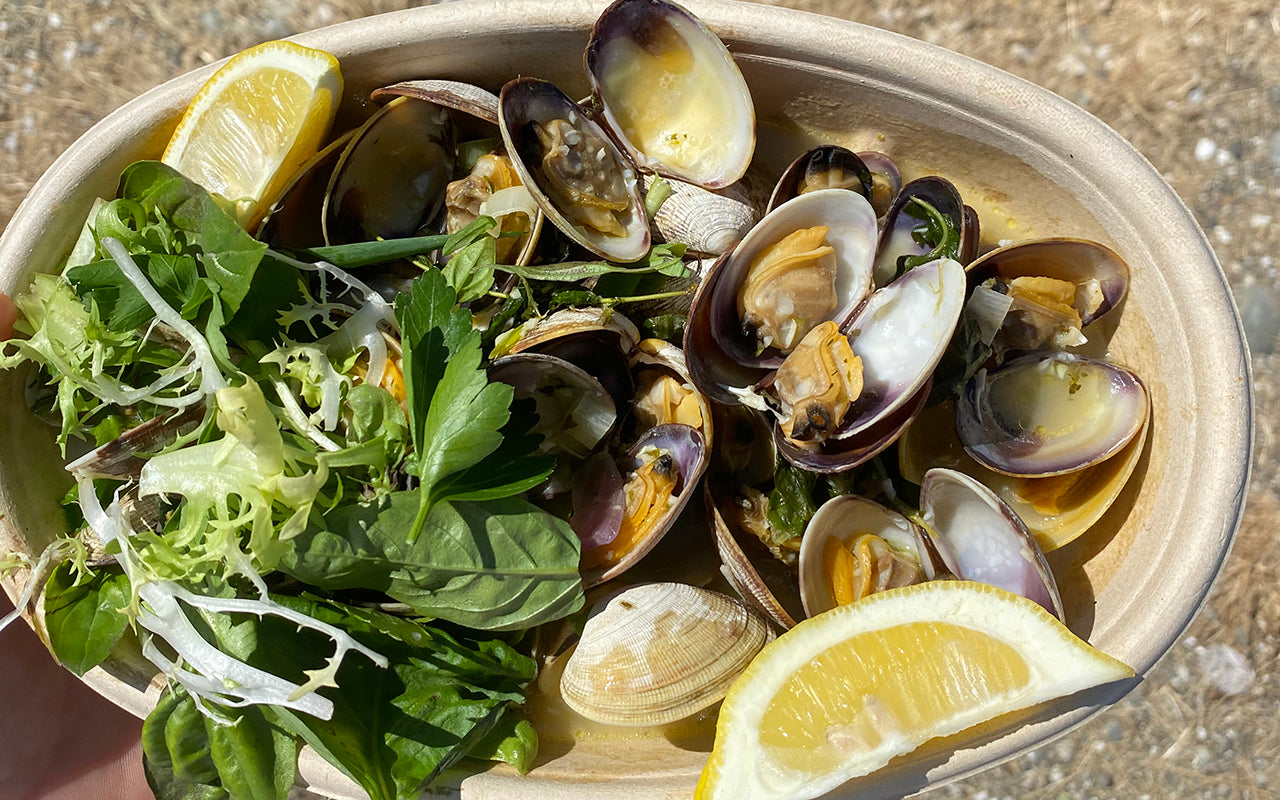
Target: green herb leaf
(363,254)
(84,618)
(395,729)
(512,740)
(430,328)
(501,565)
(791,500)
(470,270)
(255,759)
(937,231)
(226,253)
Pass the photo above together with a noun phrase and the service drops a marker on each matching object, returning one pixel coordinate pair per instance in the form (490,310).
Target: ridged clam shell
(708,222)
(660,652)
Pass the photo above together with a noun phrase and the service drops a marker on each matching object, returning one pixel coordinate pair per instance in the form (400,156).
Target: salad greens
(265,453)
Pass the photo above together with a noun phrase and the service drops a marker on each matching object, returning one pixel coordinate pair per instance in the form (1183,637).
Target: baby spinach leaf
(188,756)
(255,759)
(175,751)
(512,740)
(84,617)
(393,730)
(501,565)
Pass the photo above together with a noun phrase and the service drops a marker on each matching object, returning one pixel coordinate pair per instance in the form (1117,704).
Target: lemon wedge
(842,693)
(255,123)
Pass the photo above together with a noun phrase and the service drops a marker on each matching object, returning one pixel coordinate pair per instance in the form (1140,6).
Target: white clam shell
(845,518)
(660,652)
(981,539)
(706,221)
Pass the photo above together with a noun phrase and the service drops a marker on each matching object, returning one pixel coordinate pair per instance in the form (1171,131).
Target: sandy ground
(1195,86)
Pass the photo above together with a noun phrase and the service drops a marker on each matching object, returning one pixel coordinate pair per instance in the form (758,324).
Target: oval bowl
(1019,154)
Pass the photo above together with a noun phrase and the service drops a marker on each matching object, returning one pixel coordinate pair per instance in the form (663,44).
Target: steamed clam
(578,177)
(854,547)
(660,652)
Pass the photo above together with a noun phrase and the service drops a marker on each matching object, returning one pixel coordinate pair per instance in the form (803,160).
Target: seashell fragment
(660,652)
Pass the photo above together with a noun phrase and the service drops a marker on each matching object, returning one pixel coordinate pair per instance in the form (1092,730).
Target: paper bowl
(1031,163)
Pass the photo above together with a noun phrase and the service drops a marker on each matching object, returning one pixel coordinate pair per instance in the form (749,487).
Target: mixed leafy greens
(266,452)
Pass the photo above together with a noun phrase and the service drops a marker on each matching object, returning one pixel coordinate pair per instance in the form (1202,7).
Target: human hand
(59,739)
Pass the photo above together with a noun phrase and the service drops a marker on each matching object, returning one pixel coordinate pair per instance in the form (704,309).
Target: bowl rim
(848,48)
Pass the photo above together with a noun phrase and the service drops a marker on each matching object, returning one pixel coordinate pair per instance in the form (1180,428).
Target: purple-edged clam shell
(896,239)
(839,455)
(851,233)
(1101,276)
(527,102)
(391,178)
(1049,414)
(671,92)
(575,412)
(825,166)
(886,180)
(689,451)
(900,334)
(598,501)
(981,539)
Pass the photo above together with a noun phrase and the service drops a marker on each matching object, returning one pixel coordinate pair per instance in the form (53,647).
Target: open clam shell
(905,216)
(671,92)
(900,334)
(391,178)
(594,339)
(1050,414)
(827,166)
(761,580)
(1056,509)
(851,234)
(886,180)
(664,391)
(840,455)
(901,558)
(575,412)
(981,539)
(666,464)
(1100,275)
(576,174)
(660,652)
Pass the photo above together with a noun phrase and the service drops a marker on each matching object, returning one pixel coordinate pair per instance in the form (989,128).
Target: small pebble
(1205,148)
(1225,668)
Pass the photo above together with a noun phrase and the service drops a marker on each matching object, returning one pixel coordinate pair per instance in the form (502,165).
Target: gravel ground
(1196,87)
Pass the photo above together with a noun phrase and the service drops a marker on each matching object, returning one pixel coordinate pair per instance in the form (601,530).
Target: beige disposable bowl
(1031,163)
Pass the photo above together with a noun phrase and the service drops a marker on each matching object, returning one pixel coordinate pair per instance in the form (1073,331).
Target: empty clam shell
(672,93)
(1056,509)
(981,539)
(660,652)
(1050,414)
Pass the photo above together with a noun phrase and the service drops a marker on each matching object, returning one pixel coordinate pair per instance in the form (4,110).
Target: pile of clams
(864,394)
